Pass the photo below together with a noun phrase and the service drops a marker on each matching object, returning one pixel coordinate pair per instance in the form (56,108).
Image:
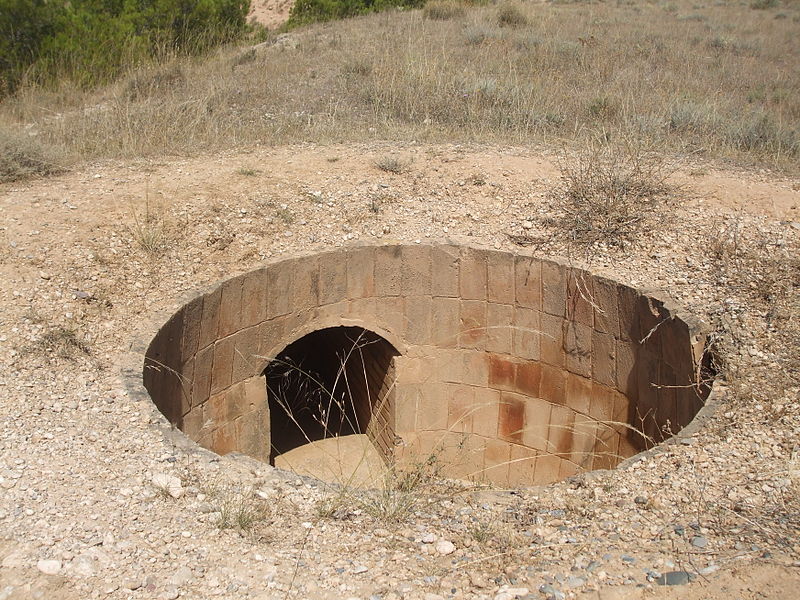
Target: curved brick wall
(511,369)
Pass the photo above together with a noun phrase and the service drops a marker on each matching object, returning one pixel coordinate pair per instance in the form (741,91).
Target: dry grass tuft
(442,10)
(609,194)
(511,14)
(23,156)
(393,164)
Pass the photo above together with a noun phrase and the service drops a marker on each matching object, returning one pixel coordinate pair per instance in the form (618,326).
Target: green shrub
(92,41)
(311,11)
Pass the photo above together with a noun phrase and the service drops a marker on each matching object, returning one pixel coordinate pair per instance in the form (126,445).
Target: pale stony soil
(81,516)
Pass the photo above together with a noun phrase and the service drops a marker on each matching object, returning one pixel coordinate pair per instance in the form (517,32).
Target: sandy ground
(270,13)
(80,516)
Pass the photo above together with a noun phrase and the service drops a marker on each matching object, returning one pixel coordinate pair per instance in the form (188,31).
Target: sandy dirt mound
(270,13)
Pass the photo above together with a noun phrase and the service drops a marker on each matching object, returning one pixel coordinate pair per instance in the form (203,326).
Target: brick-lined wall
(512,369)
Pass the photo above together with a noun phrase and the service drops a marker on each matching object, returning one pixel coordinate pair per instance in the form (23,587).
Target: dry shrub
(147,83)
(609,194)
(23,156)
(442,10)
(511,14)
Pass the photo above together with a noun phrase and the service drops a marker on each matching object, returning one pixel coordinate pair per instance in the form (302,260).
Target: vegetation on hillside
(715,81)
(91,41)
(310,11)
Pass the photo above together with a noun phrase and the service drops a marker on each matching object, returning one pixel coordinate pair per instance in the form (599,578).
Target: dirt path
(86,256)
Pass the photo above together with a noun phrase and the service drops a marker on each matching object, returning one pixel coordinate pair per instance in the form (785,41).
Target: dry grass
(720,81)
(23,156)
(610,194)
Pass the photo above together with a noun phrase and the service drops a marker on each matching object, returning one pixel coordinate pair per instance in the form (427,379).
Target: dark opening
(331,382)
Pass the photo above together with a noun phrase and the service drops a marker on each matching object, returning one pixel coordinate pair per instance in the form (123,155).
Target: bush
(511,15)
(441,10)
(22,156)
(311,11)
(92,41)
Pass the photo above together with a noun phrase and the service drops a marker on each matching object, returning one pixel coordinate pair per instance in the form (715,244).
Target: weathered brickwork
(511,369)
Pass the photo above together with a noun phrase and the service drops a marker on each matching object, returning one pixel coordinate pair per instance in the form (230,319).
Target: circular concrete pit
(506,368)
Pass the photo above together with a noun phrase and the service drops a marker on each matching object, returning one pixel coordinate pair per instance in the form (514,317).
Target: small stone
(171,593)
(49,567)
(674,578)
(168,484)
(131,584)
(182,576)
(444,547)
(428,538)
(575,582)
(360,569)
(430,596)
(640,500)
(699,541)
(709,570)
(551,593)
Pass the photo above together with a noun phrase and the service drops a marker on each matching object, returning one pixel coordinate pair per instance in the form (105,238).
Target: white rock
(49,567)
(168,484)
(444,547)
(182,576)
(428,538)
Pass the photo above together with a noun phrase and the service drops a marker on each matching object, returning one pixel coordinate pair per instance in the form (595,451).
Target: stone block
(499,332)
(522,466)
(606,306)
(332,277)
(418,319)
(553,385)
(601,407)
(496,456)
(604,363)
(526,333)
(473,321)
(210,324)
(528,379)
(627,303)
(580,297)
(461,408)
(192,423)
(271,338)
(223,440)
(473,277)
(537,424)
(502,372)
(406,399)
(606,448)
(254,298)
(552,340)
(416,270)
(562,430)
(528,282)
(474,368)
(230,307)
(567,468)
(279,289)
(390,313)
(363,309)
(222,369)
(547,468)
(433,406)
(583,442)
(445,322)
(192,321)
(444,266)
(501,278)
(201,382)
(305,284)
(626,377)
(578,347)
(185,379)
(511,422)
(246,357)
(388,270)
(486,412)
(361,272)
(579,393)
(554,288)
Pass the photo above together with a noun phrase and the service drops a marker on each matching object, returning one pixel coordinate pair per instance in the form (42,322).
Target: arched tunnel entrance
(330,383)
